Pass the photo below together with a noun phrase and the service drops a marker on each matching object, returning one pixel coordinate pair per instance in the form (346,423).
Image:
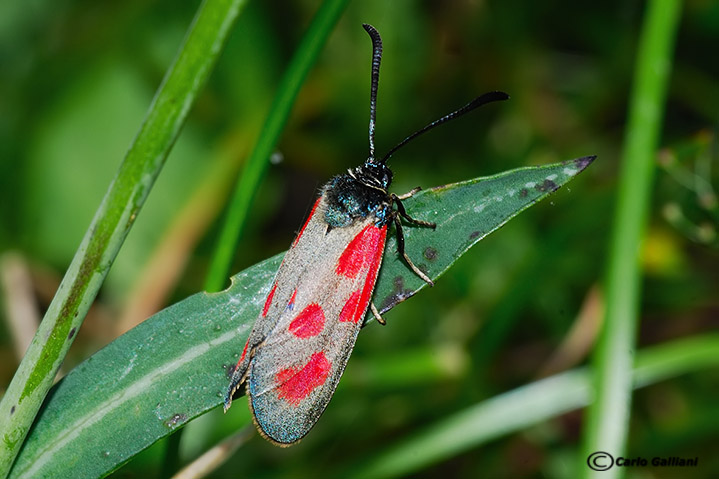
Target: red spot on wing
(309,322)
(244,351)
(268,301)
(296,384)
(361,250)
(312,213)
(375,262)
(350,308)
(358,302)
(242,357)
(291,304)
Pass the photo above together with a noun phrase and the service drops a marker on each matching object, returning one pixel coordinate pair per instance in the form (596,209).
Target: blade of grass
(608,416)
(112,222)
(249,181)
(528,405)
(259,160)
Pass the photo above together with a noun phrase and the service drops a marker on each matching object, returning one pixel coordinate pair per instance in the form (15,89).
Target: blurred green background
(76,78)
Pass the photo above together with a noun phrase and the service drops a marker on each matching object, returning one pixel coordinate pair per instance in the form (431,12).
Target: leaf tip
(583,162)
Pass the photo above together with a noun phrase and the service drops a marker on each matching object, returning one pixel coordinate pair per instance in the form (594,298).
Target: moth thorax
(373,174)
(350,198)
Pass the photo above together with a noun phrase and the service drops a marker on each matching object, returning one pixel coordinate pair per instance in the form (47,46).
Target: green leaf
(464,213)
(173,367)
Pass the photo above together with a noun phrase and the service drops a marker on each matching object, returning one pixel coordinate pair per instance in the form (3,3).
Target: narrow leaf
(112,222)
(607,419)
(173,367)
(258,162)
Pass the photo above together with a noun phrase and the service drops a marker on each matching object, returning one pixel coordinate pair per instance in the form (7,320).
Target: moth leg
(400,249)
(403,213)
(409,194)
(375,313)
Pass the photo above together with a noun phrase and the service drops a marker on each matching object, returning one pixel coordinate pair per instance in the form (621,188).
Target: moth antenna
(376,59)
(477,102)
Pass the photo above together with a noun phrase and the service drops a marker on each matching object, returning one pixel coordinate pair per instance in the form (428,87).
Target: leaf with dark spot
(430,253)
(130,391)
(547,185)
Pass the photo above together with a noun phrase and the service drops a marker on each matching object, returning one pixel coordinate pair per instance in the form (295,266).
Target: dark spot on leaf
(12,410)
(475,235)
(547,186)
(430,253)
(523,193)
(583,162)
(229,369)
(399,294)
(176,420)
(71,334)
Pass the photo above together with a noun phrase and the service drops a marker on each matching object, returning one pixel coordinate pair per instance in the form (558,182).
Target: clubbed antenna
(477,102)
(376,59)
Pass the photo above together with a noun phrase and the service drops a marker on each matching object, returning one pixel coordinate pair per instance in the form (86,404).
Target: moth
(299,346)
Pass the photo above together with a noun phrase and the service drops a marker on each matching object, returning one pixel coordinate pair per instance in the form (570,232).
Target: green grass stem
(112,222)
(608,415)
(259,160)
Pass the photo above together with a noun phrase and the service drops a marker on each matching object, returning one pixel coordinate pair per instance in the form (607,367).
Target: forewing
(271,311)
(323,290)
